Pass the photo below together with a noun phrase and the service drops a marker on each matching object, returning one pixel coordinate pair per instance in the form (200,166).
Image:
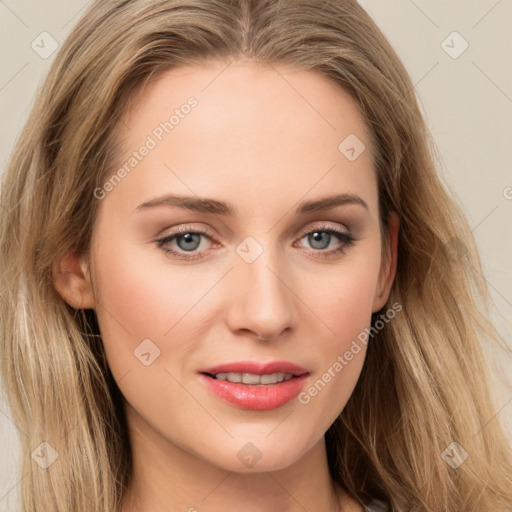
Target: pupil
(189,238)
(317,237)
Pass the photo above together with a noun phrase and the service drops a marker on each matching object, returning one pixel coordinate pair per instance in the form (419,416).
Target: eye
(188,240)
(321,237)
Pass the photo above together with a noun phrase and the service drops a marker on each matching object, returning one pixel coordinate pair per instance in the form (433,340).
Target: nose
(261,298)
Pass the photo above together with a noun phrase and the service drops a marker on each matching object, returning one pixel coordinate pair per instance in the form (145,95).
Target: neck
(168,478)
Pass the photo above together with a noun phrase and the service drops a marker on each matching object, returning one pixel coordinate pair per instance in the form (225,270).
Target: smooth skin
(263,139)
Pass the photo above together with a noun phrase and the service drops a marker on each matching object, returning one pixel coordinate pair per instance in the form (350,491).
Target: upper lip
(256,368)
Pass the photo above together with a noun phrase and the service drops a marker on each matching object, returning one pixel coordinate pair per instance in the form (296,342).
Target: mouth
(252,379)
(254,369)
(258,388)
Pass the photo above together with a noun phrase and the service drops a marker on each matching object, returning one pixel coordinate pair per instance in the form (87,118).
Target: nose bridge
(261,300)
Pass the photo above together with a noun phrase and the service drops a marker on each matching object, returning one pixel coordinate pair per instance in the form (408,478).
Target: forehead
(236,92)
(275,127)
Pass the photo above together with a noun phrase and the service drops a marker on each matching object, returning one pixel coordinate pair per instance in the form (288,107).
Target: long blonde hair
(425,384)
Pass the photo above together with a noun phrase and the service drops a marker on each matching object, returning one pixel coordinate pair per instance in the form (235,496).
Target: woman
(233,278)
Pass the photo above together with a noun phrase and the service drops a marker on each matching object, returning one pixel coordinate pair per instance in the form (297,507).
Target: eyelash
(346,239)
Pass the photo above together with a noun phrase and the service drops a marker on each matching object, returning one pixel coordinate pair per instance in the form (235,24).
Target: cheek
(344,298)
(143,297)
(347,312)
(134,303)
(340,356)
(343,304)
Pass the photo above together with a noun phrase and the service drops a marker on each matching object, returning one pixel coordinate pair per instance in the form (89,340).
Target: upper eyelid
(206,232)
(346,238)
(317,225)
(322,227)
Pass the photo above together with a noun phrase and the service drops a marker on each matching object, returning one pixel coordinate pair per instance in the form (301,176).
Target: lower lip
(260,397)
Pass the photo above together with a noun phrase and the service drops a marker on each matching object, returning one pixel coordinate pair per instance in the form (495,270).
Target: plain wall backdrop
(458,56)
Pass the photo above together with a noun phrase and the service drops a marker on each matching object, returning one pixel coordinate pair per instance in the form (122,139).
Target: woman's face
(253,148)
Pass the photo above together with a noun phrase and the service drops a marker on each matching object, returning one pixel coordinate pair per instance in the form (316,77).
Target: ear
(388,265)
(71,279)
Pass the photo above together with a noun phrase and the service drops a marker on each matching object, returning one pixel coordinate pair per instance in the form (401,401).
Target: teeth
(251,378)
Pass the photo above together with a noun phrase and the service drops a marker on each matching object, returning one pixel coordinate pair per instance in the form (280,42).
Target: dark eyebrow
(326,203)
(196,204)
(207,205)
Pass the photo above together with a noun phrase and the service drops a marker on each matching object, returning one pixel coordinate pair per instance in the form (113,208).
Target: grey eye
(191,241)
(316,241)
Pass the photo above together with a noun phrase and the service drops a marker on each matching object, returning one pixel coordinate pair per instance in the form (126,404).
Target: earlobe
(388,265)
(71,279)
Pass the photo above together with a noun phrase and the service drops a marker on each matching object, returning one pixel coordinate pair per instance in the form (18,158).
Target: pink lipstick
(253,385)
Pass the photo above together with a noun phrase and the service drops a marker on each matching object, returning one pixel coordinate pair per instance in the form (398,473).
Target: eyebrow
(213,206)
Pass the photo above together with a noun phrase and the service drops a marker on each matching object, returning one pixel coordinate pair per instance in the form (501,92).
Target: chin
(252,458)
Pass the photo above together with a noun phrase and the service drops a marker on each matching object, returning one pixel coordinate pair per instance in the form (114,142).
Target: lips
(258,397)
(256,368)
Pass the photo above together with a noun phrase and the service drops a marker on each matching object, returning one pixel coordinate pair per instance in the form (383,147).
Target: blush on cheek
(348,307)
(139,302)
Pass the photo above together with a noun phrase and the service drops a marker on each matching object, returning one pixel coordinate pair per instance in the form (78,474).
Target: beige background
(467,102)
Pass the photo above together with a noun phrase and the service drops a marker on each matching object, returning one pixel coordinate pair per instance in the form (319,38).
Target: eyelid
(345,238)
(186,228)
(176,232)
(322,226)
(337,231)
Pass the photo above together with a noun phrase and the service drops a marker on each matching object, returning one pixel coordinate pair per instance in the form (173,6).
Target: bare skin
(264,144)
